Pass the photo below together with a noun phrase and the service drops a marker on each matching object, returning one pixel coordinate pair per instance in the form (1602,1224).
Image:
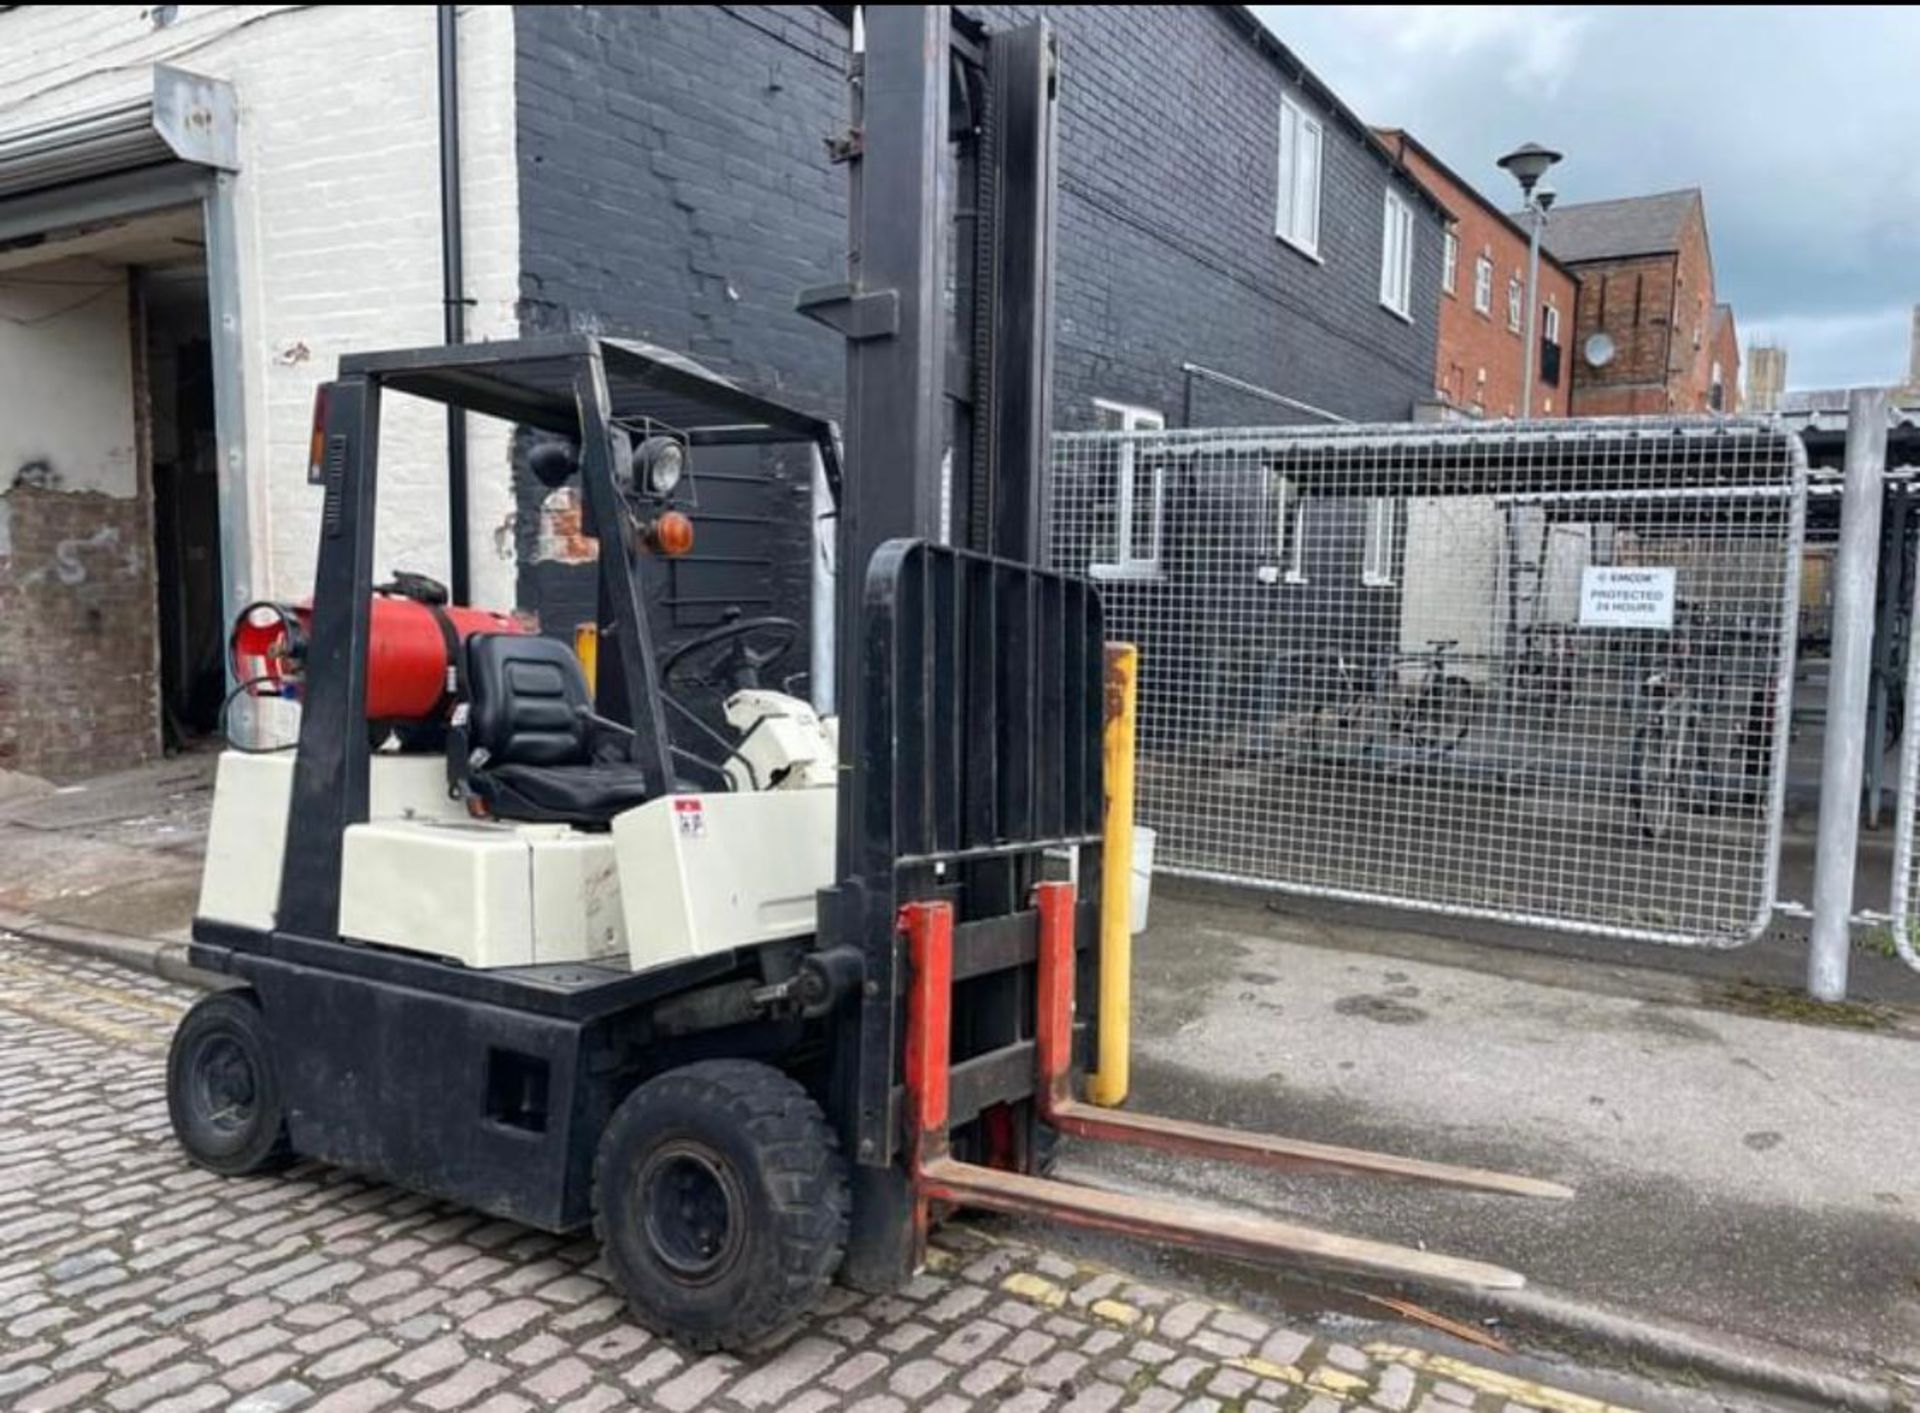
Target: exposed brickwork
(79,674)
(1479,360)
(1724,351)
(1658,309)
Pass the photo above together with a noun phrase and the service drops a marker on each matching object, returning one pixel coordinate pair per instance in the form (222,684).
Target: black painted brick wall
(674,185)
(1166,254)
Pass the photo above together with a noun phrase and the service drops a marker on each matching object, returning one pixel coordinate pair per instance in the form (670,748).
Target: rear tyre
(721,1202)
(223,1094)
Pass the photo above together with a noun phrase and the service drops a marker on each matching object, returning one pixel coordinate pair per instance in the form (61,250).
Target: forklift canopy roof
(532,380)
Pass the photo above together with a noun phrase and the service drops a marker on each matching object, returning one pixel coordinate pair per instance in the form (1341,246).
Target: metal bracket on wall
(197,117)
(853,314)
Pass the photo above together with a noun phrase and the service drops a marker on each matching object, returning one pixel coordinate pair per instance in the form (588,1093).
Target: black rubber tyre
(720,1200)
(223,1093)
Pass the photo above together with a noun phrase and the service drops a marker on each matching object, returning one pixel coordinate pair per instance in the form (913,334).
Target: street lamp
(1528,163)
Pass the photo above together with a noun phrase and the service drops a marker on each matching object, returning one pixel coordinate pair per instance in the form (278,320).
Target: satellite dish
(1600,350)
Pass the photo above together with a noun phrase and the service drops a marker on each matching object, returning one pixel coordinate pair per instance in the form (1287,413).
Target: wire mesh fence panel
(1538,674)
(1904,906)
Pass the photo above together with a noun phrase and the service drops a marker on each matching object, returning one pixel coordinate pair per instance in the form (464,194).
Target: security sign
(1613,597)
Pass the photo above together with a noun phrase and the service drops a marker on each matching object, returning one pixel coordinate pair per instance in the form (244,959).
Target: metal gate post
(1855,574)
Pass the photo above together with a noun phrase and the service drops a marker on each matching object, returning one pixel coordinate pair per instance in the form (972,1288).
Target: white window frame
(1483,285)
(1376,561)
(1396,257)
(1290,533)
(1551,331)
(1450,263)
(1516,303)
(1125,564)
(1299,185)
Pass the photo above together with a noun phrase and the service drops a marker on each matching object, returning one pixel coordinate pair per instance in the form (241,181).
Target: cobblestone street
(129,1280)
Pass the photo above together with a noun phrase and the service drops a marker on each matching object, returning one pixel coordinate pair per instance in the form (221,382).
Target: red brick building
(1479,359)
(1723,374)
(1648,332)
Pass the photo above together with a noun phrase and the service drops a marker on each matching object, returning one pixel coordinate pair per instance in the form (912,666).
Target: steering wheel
(739,667)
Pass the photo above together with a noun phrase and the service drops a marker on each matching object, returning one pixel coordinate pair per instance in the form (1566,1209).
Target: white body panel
(486,895)
(699,873)
(462,890)
(675,878)
(787,744)
(248,831)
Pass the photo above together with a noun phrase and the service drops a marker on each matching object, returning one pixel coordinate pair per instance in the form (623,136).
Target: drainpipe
(453,290)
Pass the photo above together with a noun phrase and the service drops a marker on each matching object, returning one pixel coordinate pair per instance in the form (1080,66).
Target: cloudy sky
(1802,126)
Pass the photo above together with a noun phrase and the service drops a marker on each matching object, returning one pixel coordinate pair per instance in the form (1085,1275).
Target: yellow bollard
(1108,1085)
(586,647)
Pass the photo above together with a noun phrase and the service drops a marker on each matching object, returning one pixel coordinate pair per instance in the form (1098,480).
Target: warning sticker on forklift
(1612,597)
(690,815)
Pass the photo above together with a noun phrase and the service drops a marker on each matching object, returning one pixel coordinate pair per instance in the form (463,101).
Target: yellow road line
(133,1000)
(1525,1392)
(110,1031)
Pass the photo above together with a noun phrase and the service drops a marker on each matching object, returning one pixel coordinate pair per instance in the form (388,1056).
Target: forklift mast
(972,697)
(969,678)
(951,190)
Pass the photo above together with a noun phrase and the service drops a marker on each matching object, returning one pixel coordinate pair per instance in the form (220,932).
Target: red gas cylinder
(407,667)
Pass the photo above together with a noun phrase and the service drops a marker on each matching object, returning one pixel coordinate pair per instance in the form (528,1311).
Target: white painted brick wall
(67,370)
(338,202)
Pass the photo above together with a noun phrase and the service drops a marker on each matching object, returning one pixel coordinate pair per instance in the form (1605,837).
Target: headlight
(659,464)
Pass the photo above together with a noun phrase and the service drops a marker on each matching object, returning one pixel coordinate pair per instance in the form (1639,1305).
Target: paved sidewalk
(132,1281)
(118,854)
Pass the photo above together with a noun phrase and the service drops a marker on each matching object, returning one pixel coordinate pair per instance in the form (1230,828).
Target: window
(1550,348)
(1376,566)
(1450,263)
(1513,303)
(1140,495)
(1483,285)
(1290,532)
(1396,257)
(1297,213)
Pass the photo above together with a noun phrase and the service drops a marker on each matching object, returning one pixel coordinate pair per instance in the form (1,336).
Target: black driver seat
(529,752)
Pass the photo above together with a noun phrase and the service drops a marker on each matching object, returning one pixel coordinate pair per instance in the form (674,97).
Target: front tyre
(721,1202)
(223,1094)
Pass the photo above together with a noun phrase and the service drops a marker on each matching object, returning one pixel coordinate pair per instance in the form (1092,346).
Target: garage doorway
(174,381)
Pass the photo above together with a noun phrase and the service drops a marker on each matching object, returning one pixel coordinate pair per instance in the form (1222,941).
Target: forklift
(755,1003)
